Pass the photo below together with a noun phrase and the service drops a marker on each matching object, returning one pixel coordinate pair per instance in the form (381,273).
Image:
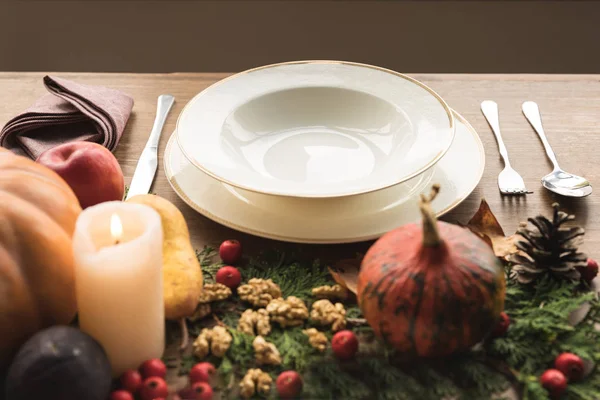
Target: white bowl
(333,220)
(315,129)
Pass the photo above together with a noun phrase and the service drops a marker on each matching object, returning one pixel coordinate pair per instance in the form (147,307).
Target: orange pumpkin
(38,211)
(431,289)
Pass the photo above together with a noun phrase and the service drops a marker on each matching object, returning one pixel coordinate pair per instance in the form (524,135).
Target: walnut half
(289,312)
(265,352)
(254,381)
(215,340)
(330,292)
(259,292)
(252,321)
(317,339)
(324,312)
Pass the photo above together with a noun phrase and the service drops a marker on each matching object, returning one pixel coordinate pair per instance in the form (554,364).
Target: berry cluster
(568,367)
(230,252)
(145,383)
(148,383)
(201,376)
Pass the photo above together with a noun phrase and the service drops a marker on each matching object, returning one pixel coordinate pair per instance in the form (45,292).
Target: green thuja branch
(209,267)
(541,328)
(295,278)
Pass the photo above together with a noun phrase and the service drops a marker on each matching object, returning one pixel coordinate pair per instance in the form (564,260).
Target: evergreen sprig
(542,327)
(295,278)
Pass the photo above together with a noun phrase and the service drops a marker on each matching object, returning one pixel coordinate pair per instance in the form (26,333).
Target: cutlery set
(509,180)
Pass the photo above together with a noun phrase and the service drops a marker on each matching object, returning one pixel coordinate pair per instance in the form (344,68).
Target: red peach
(90,169)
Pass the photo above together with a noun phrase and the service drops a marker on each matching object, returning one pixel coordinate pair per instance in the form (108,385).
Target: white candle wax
(119,281)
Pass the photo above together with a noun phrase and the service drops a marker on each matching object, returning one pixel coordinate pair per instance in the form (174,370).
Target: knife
(148,162)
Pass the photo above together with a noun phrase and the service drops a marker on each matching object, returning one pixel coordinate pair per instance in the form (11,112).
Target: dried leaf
(485,225)
(345,272)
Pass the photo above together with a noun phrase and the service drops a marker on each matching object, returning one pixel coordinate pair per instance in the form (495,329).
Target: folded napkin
(70,112)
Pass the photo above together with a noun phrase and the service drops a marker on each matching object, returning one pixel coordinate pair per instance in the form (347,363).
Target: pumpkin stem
(431,235)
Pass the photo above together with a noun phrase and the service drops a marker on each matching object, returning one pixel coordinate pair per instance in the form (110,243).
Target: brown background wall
(409,36)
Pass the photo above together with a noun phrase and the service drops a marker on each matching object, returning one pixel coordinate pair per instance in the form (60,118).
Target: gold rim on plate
(356,64)
(267,235)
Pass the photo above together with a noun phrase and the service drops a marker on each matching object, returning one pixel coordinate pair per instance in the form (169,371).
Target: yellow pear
(182,274)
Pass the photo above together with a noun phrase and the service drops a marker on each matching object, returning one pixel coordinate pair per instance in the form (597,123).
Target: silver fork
(509,180)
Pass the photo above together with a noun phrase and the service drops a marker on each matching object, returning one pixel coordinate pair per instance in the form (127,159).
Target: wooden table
(570,106)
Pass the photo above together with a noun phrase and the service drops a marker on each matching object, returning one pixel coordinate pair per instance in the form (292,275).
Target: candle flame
(116,227)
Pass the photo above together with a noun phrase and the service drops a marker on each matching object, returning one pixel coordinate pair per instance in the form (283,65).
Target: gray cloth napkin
(70,112)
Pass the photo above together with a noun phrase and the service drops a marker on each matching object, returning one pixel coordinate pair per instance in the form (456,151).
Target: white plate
(315,129)
(339,220)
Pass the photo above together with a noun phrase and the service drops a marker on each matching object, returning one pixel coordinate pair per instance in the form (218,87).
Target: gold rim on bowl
(430,164)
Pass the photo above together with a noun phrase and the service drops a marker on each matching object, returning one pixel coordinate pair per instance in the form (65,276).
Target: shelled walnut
(317,339)
(214,292)
(325,313)
(210,293)
(265,352)
(215,340)
(289,312)
(254,381)
(259,292)
(252,321)
(330,292)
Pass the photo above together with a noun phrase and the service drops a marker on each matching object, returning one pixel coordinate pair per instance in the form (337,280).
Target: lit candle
(119,283)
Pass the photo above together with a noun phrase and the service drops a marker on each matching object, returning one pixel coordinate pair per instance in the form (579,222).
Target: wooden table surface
(570,106)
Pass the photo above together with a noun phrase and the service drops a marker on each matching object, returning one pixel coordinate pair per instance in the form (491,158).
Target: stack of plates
(320,152)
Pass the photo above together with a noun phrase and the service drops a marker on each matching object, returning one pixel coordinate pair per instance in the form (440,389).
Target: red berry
(153,367)
(502,325)
(229,276)
(230,251)
(198,391)
(186,393)
(131,380)
(153,388)
(289,384)
(202,372)
(121,395)
(571,365)
(589,272)
(554,382)
(344,344)
(201,391)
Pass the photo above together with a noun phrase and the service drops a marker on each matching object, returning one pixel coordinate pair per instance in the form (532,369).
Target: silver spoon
(557,181)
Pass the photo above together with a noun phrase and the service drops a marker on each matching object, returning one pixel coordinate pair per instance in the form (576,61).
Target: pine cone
(548,249)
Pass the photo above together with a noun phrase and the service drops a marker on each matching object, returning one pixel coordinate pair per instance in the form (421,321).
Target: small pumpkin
(431,289)
(38,211)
